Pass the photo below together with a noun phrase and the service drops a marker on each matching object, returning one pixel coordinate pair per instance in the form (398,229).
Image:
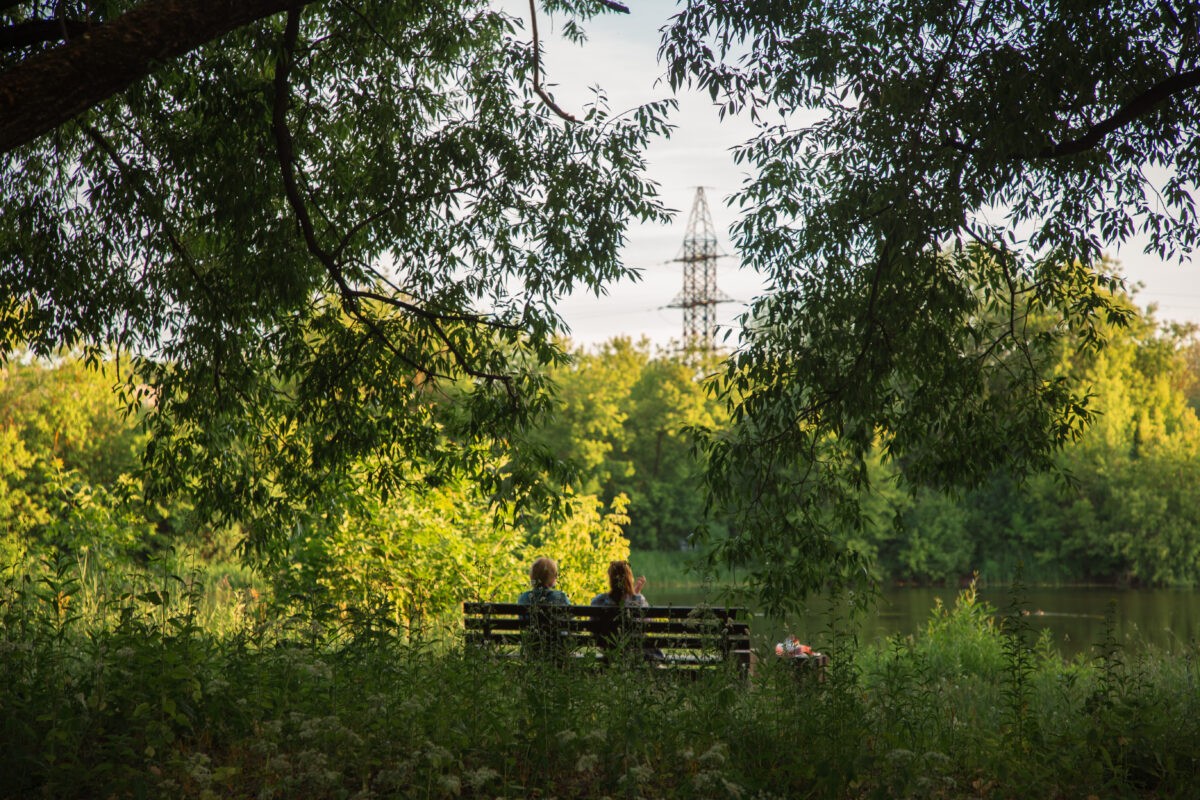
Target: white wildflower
(715,756)
(476,778)
(450,784)
(438,756)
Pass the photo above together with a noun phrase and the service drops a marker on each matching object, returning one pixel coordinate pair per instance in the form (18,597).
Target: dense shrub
(138,699)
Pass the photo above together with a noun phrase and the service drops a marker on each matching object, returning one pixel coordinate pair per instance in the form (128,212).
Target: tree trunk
(52,87)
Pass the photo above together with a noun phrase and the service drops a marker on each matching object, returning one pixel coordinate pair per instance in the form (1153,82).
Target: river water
(1164,618)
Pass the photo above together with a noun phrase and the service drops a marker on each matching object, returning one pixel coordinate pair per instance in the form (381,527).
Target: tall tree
(666,488)
(966,164)
(299,223)
(622,420)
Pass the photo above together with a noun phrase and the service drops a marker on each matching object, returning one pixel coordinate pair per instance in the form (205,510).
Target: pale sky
(621,57)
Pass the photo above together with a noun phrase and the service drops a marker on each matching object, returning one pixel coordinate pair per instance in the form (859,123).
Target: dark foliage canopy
(301,226)
(934,183)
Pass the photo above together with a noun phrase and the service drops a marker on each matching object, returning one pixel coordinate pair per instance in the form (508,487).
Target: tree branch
(285,153)
(537,68)
(1129,111)
(54,86)
(432,316)
(154,207)
(40,31)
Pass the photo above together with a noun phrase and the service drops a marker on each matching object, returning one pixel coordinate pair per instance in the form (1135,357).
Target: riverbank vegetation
(319,249)
(1121,508)
(332,667)
(153,691)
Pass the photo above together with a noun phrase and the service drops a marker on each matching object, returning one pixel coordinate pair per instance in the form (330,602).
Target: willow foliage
(932,186)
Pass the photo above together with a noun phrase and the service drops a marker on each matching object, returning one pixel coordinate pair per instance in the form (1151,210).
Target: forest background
(1122,508)
(329,242)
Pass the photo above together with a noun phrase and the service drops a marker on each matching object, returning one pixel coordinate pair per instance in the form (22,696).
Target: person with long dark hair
(623,590)
(622,631)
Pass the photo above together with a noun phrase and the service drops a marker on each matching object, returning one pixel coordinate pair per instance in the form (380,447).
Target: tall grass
(678,570)
(143,700)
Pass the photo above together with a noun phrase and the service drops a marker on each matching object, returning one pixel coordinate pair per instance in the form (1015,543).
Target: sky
(620,56)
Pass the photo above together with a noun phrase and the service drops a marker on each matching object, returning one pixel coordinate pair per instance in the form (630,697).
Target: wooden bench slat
(577,641)
(478,609)
(646,625)
(680,636)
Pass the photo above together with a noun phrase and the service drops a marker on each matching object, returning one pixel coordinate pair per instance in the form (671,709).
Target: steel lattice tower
(700,294)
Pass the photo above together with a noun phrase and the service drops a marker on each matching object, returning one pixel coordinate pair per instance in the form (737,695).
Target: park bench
(663,637)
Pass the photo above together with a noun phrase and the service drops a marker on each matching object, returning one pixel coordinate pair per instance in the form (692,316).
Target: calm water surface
(1075,617)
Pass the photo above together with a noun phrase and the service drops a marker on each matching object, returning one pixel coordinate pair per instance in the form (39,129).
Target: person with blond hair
(623,590)
(543,574)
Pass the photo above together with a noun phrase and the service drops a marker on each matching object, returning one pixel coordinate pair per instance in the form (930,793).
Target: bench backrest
(683,636)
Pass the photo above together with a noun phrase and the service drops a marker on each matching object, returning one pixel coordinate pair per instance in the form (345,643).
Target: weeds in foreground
(152,703)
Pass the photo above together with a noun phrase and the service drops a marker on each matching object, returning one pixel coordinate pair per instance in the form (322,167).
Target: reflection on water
(1075,617)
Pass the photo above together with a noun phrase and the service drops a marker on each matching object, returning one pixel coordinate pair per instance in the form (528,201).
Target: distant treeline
(74,501)
(1123,507)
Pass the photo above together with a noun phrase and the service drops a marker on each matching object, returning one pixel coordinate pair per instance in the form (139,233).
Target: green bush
(130,695)
(415,558)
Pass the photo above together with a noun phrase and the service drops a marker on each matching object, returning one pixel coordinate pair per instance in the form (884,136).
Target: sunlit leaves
(418,554)
(624,418)
(449,210)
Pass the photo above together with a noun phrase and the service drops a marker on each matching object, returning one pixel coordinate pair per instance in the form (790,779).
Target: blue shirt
(635,600)
(539,595)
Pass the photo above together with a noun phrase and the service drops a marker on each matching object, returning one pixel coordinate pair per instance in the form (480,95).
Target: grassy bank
(138,699)
(676,569)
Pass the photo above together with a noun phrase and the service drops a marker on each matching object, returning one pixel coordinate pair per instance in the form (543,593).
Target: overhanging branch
(285,151)
(1129,111)
(351,297)
(152,205)
(54,86)
(537,68)
(40,31)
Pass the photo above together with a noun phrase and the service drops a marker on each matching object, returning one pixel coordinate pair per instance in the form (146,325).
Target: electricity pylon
(700,294)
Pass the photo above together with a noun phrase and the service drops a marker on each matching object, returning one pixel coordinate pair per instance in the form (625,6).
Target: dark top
(635,600)
(540,595)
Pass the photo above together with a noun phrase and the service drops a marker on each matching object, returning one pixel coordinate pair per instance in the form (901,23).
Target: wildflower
(438,756)
(715,756)
(450,784)
(639,774)
(479,777)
